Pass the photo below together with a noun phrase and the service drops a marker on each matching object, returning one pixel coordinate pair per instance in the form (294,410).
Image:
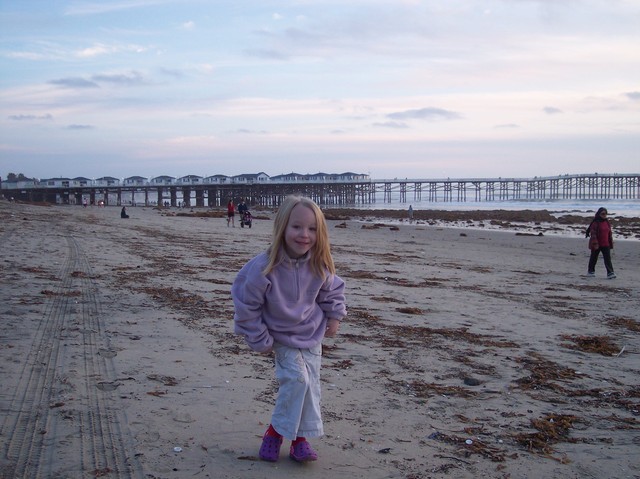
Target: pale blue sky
(393,88)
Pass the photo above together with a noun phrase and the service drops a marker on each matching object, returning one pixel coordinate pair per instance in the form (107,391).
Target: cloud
(131,78)
(172,72)
(245,131)
(80,127)
(95,8)
(269,54)
(103,49)
(507,125)
(74,82)
(26,55)
(128,79)
(633,95)
(190,25)
(550,110)
(392,124)
(429,113)
(94,51)
(30,117)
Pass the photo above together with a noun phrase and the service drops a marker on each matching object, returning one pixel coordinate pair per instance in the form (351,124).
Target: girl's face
(301,232)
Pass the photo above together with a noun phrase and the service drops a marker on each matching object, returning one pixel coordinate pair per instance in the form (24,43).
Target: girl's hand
(332,328)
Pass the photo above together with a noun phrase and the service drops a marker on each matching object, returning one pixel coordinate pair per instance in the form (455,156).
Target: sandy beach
(466,352)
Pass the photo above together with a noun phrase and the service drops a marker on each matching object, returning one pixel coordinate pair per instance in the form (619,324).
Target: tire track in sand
(65,419)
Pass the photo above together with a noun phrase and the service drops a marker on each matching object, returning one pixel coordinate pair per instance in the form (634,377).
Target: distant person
(231,213)
(600,241)
(123,213)
(410,213)
(287,299)
(242,207)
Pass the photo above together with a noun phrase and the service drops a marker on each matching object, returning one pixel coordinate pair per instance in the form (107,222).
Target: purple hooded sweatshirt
(290,305)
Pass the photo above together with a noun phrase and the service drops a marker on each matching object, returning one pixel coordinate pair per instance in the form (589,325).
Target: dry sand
(465,353)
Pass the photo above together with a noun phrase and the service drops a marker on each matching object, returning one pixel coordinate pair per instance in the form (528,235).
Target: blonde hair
(321,259)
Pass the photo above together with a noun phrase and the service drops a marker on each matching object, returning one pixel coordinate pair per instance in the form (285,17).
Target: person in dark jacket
(600,240)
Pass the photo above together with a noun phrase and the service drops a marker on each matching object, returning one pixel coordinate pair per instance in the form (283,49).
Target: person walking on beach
(600,240)
(231,213)
(287,299)
(242,207)
(410,213)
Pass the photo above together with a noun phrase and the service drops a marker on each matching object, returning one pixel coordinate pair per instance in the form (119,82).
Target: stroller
(245,219)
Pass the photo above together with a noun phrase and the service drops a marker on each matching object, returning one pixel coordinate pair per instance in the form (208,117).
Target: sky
(390,88)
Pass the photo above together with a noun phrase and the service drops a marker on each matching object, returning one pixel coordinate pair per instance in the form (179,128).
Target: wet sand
(465,353)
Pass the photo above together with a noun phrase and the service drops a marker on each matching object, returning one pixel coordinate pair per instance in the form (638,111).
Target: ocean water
(557,208)
(587,208)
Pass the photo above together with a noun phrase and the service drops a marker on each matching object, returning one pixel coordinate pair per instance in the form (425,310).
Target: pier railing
(566,187)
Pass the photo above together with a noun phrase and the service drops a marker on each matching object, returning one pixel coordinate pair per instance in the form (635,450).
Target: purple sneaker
(270,449)
(302,452)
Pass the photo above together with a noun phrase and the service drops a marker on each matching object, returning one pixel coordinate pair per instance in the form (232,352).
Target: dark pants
(606,255)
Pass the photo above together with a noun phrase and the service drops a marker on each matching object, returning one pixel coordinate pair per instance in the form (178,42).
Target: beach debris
(385,450)
(157,393)
(469,447)
(345,364)
(469,381)
(542,372)
(177,449)
(166,380)
(385,299)
(341,225)
(422,389)
(101,472)
(552,429)
(591,344)
(361,275)
(627,323)
(408,310)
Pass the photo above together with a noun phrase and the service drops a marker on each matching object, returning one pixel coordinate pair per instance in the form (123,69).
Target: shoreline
(522,222)
(519,221)
(526,221)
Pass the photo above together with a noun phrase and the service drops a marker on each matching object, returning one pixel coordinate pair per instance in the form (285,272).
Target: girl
(600,240)
(286,300)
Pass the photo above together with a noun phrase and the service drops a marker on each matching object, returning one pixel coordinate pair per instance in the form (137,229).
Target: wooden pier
(271,194)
